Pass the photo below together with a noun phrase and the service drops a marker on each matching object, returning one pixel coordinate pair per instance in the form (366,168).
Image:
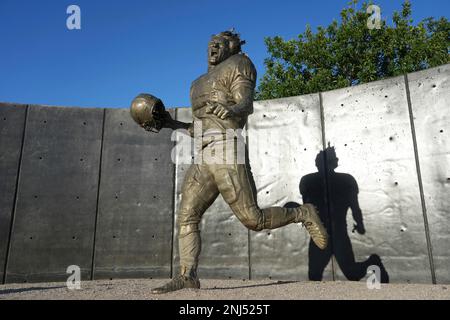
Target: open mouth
(213,53)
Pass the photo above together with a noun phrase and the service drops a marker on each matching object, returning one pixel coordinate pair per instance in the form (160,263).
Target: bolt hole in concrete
(342,104)
(45,121)
(121,124)
(74,238)
(403,228)
(81,159)
(153,236)
(84,123)
(441,131)
(35,197)
(77,197)
(31,238)
(434,86)
(156,159)
(118,159)
(391,138)
(229,234)
(40,158)
(303,110)
(4,119)
(396,183)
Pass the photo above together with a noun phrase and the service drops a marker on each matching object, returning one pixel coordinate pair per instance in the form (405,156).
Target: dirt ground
(138,289)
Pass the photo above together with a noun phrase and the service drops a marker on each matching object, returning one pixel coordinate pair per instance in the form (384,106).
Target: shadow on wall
(342,190)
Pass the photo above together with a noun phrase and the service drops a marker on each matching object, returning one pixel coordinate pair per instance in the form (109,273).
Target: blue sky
(133,46)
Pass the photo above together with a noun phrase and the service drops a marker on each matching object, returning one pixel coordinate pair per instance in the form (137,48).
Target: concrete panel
(430,96)
(224,238)
(284,137)
(12,120)
(370,129)
(57,192)
(135,217)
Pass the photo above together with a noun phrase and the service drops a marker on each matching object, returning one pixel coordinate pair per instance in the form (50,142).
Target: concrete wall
(88,187)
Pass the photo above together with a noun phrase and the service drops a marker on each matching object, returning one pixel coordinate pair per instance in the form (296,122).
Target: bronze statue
(221,100)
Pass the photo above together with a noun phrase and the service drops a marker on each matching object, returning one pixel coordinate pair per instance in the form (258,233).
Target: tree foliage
(349,53)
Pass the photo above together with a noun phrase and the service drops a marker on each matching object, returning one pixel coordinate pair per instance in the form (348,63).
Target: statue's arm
(169,122)
(243,96)
(356,210)
(242,82)
(243,88)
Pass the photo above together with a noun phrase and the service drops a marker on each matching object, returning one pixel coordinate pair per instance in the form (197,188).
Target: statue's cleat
(178,283)
(308,215)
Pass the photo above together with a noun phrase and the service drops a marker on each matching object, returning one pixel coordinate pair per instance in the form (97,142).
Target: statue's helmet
(145,109)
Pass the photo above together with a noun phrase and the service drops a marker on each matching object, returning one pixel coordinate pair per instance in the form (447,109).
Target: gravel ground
(224,289)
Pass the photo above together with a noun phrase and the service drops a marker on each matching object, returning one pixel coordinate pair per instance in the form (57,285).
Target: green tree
(349,53)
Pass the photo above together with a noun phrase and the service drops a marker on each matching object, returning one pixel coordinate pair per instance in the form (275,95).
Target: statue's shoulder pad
(239,58)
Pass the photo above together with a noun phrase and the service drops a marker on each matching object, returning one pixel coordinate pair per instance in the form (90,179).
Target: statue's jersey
(227,83)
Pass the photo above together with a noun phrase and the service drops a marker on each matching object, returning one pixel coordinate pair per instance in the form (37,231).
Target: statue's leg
(198,193)
(343,251)
(233,181)
(317,261)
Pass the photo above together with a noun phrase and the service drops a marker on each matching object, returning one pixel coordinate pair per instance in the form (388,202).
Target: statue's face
(218,50)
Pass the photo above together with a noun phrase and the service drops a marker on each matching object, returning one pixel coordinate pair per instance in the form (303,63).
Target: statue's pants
(202,185)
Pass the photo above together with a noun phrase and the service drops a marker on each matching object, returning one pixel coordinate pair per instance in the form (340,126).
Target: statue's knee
(189,213)
(188,221)
(187,229)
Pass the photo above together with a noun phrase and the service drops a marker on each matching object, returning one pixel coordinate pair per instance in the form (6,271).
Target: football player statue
(221,100)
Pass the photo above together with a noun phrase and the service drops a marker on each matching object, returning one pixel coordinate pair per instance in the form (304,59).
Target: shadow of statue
(333,193)
(22,290)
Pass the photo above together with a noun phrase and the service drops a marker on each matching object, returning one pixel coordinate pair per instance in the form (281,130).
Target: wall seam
(248,231)
(174,205)
(100,165)
(327,186)
(419,178)
(13,212)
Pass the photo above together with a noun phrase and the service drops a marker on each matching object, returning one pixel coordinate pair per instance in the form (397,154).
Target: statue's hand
(359,228)
(164,119)
(221,111)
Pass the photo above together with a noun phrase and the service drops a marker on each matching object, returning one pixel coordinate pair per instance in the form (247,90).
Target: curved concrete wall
(87,187)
